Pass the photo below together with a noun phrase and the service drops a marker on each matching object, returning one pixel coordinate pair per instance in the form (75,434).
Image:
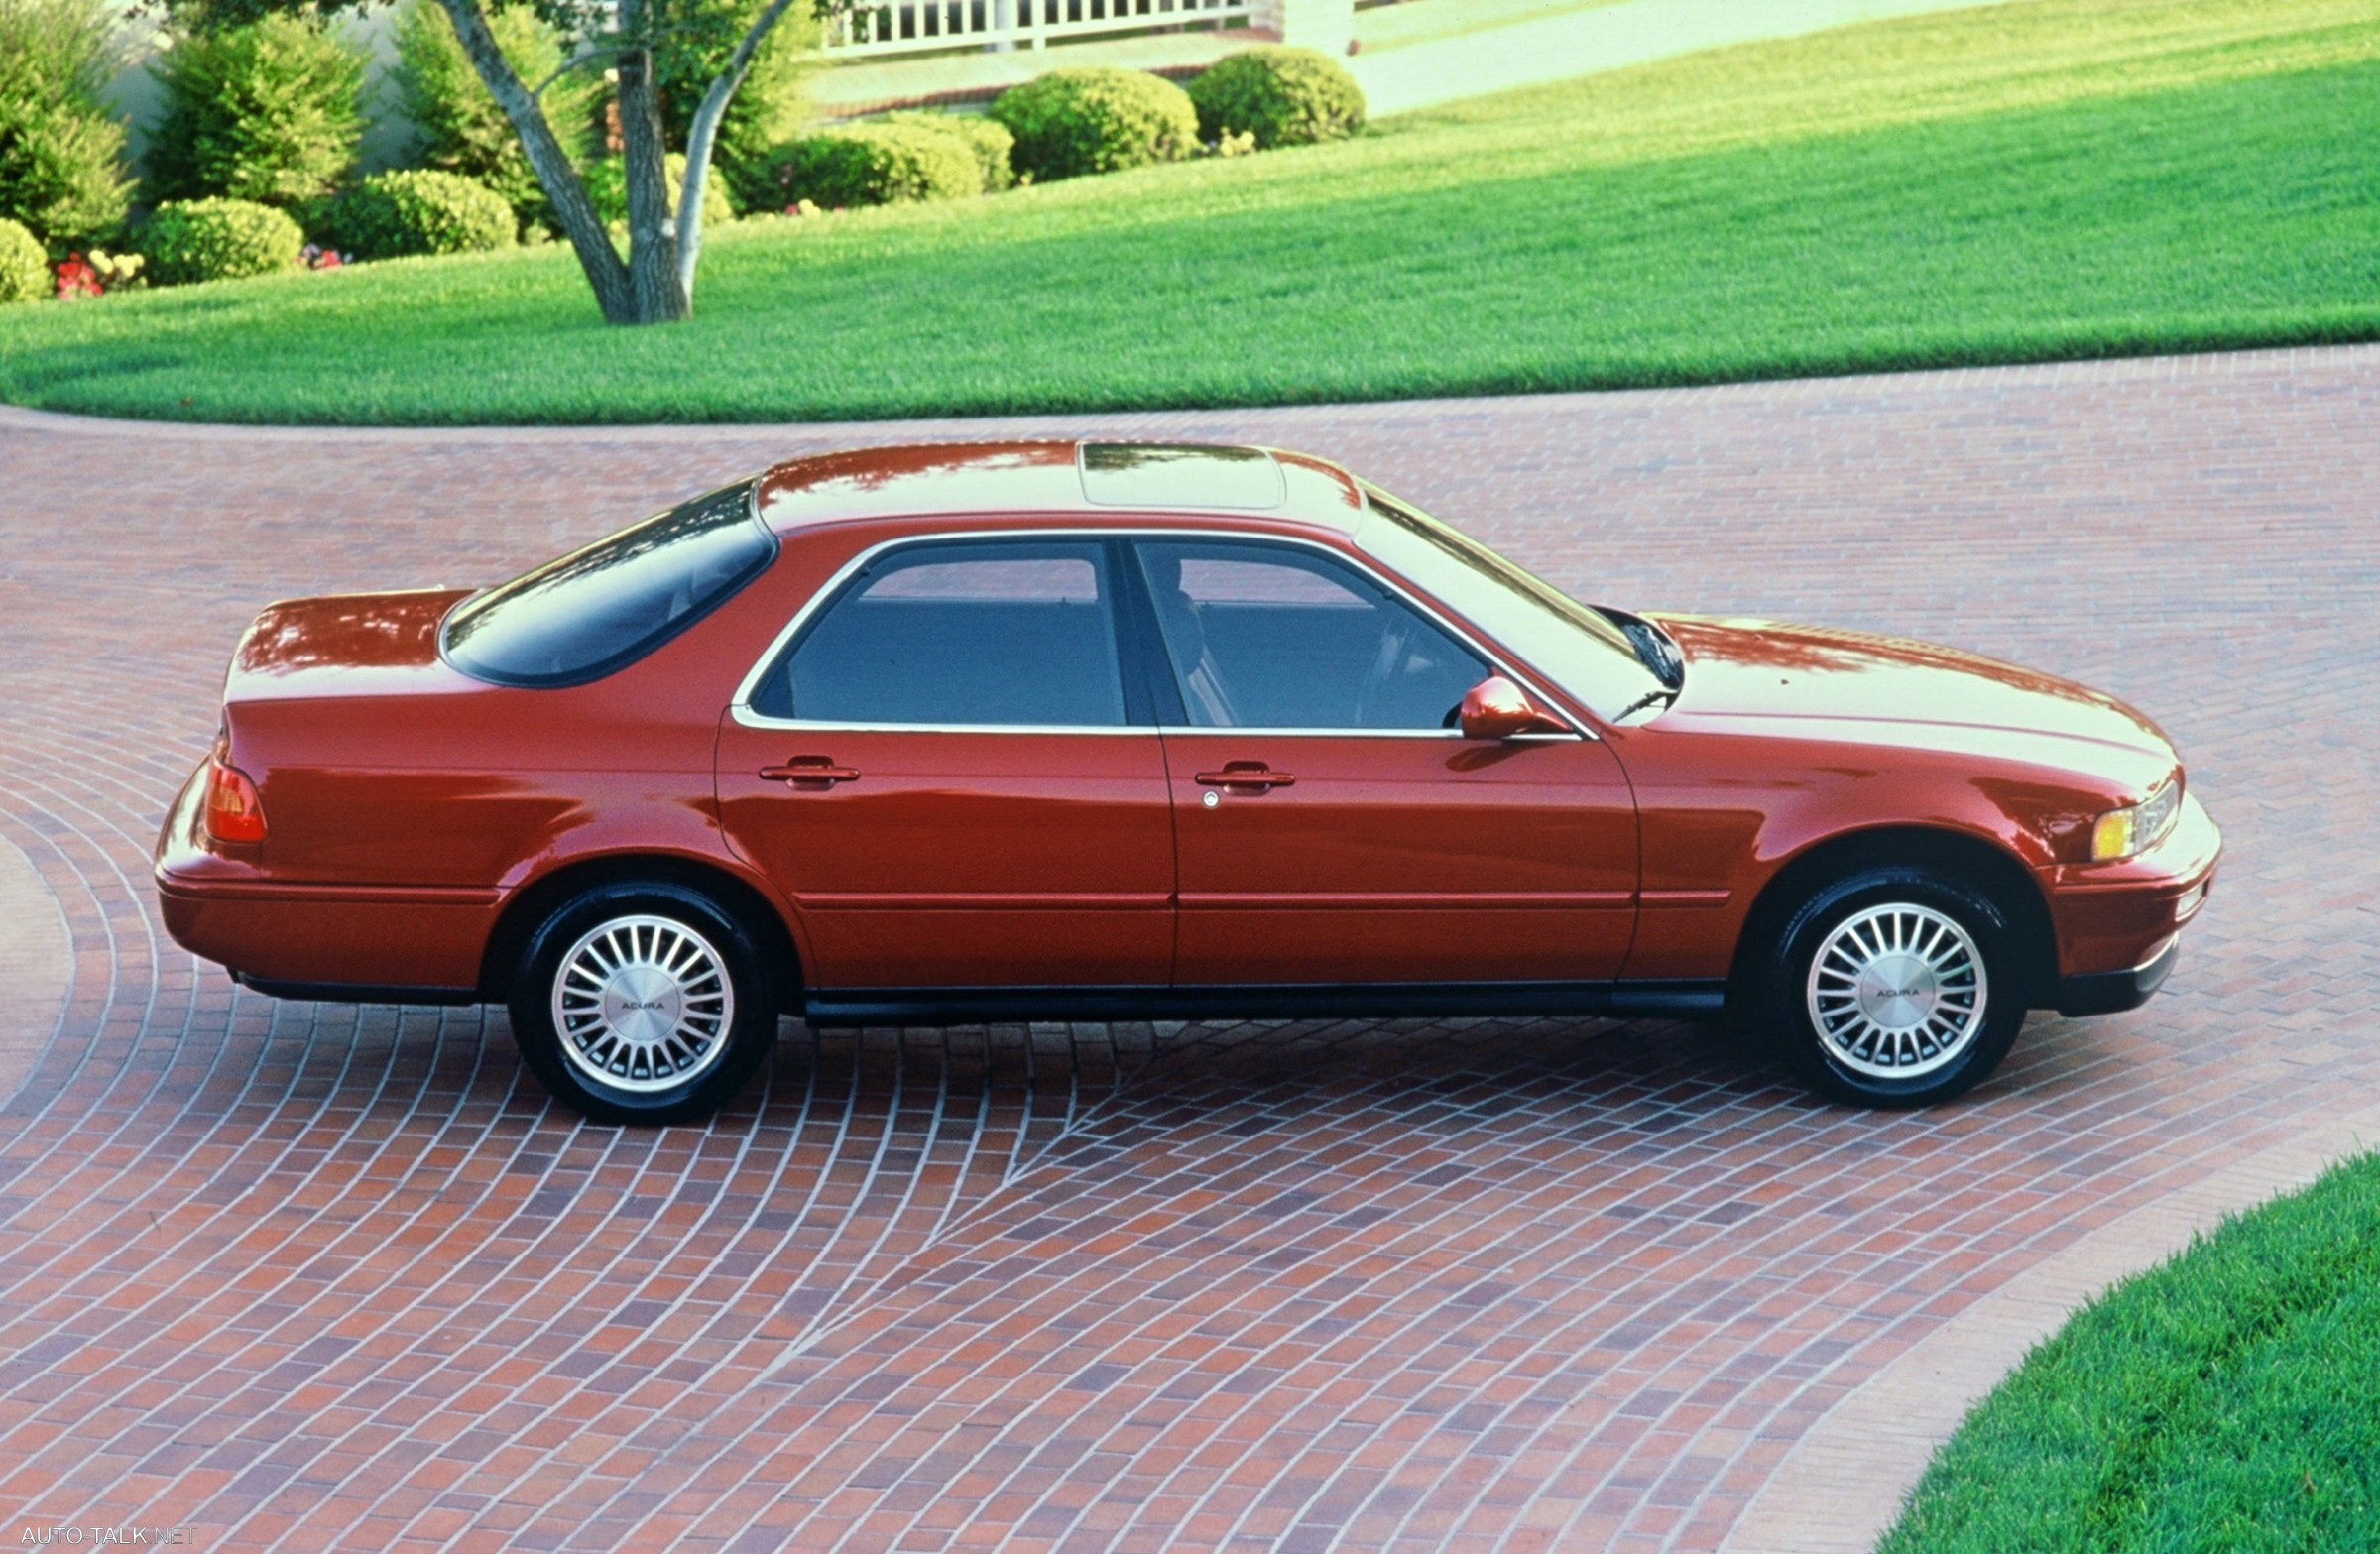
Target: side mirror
(1495,708)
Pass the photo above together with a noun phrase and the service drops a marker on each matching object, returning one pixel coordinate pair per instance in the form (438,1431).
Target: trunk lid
(344,645)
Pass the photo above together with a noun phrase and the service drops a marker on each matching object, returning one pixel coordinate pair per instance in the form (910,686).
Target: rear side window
(600,609)
(981,633)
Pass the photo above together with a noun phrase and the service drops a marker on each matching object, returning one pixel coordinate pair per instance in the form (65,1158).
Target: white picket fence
(916,26)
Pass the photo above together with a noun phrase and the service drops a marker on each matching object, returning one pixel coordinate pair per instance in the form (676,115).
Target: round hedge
(1283,96)
(24,267)
(1096,119)
(607,187)
(194,240)
(985,140)
(877,163)
(391,215)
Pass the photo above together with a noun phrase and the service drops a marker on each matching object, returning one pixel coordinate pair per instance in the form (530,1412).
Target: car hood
(344,645)
(1893,688)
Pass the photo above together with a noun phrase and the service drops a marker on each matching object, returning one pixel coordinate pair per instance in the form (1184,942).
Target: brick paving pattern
(310,1276)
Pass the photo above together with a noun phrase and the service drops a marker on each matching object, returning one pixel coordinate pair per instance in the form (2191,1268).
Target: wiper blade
(1665,695)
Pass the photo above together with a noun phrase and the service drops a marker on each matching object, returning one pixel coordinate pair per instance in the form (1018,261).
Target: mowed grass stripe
(2022,183)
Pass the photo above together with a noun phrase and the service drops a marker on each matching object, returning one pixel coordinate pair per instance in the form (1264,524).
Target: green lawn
(2220,1404)
(2058,179)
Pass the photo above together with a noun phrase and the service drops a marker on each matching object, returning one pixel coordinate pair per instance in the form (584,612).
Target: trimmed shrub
(872,163)
(1283,96)
(391,215)
(24,267)
(266,112)
(61,154)
(218,240)
(607,187)
(458,125)
(1096,119)
(986,141)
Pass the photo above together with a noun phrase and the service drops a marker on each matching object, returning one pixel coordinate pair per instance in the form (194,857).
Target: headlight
(2123,833)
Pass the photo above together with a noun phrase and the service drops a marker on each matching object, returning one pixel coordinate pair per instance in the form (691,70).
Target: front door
(1333,825)
(942,772)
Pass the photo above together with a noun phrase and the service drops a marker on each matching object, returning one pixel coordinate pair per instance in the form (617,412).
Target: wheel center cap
(641,1003)
(1898,992)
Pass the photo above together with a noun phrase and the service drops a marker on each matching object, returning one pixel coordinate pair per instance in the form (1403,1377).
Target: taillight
(234,812)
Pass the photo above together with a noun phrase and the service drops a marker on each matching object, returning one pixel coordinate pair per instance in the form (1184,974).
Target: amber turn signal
(234,812)
(2112,836)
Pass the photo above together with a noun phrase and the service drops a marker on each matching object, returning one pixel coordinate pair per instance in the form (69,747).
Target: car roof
(1091,480)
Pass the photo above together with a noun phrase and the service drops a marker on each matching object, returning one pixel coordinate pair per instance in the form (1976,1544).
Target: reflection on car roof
(1102,478)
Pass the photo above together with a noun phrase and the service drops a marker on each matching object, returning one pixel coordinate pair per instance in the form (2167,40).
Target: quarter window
(984,632)
(1264,636)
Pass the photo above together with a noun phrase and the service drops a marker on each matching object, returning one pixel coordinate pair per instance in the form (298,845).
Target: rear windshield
(600,609)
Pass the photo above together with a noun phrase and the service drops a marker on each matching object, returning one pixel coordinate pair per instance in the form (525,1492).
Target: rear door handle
(806,769)
(1244,774)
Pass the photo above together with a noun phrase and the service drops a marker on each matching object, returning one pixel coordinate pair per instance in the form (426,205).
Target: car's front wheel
(641,1003)
(1893,987)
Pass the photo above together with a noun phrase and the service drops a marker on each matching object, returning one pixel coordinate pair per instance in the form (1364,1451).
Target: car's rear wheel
(641,1003)
(1892,986)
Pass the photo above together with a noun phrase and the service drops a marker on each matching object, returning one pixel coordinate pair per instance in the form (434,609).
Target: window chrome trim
(741,711)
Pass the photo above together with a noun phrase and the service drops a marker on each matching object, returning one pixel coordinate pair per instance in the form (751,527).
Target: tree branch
(564,188)
(703,134)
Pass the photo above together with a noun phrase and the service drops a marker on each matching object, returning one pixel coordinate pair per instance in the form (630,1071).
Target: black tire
(674,1049)
(1845,1035)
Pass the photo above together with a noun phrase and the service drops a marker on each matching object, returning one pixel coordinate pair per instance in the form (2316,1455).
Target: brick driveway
(323,1277)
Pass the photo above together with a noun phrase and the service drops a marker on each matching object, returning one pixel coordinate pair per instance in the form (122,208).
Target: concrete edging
(1843,1484)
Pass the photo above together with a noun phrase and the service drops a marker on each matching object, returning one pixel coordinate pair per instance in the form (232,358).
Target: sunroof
(1157,474)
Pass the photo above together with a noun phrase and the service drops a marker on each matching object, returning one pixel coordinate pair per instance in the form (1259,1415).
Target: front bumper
(2110,992)
(2118,924)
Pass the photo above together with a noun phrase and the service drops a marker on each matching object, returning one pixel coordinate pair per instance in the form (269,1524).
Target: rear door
(943,771)
(1331,824)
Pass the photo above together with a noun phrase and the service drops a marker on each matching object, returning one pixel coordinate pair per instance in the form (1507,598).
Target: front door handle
(806,769)
(1244,774)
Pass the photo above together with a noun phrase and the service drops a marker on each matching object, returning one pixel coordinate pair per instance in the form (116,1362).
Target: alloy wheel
(1897,991)
(642,1004)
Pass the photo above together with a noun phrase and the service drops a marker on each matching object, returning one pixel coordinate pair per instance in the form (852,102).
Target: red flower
(77,279)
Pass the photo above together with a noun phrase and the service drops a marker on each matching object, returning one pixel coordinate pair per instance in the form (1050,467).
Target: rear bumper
(2109,992)
(311,939)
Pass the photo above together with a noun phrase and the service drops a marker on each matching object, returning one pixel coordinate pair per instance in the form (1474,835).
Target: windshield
(1555,635)
(599,609)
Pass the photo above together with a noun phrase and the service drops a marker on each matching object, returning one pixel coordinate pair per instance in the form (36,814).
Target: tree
(62,152)
(267,110)
(655,283)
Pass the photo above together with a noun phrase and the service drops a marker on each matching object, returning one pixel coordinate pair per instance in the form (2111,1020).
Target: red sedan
(1056,731)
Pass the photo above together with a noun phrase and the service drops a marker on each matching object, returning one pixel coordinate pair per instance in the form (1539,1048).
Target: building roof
(1087,478)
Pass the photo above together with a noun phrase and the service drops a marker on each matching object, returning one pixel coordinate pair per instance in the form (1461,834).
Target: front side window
(1273,637)
(600,609)
(976,633)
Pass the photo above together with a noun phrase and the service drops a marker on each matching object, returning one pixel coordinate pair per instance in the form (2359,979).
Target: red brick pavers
(315,1276)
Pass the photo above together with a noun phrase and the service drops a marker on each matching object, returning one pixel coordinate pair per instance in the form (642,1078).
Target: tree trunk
(657,283)
(652,228)
(564,188)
